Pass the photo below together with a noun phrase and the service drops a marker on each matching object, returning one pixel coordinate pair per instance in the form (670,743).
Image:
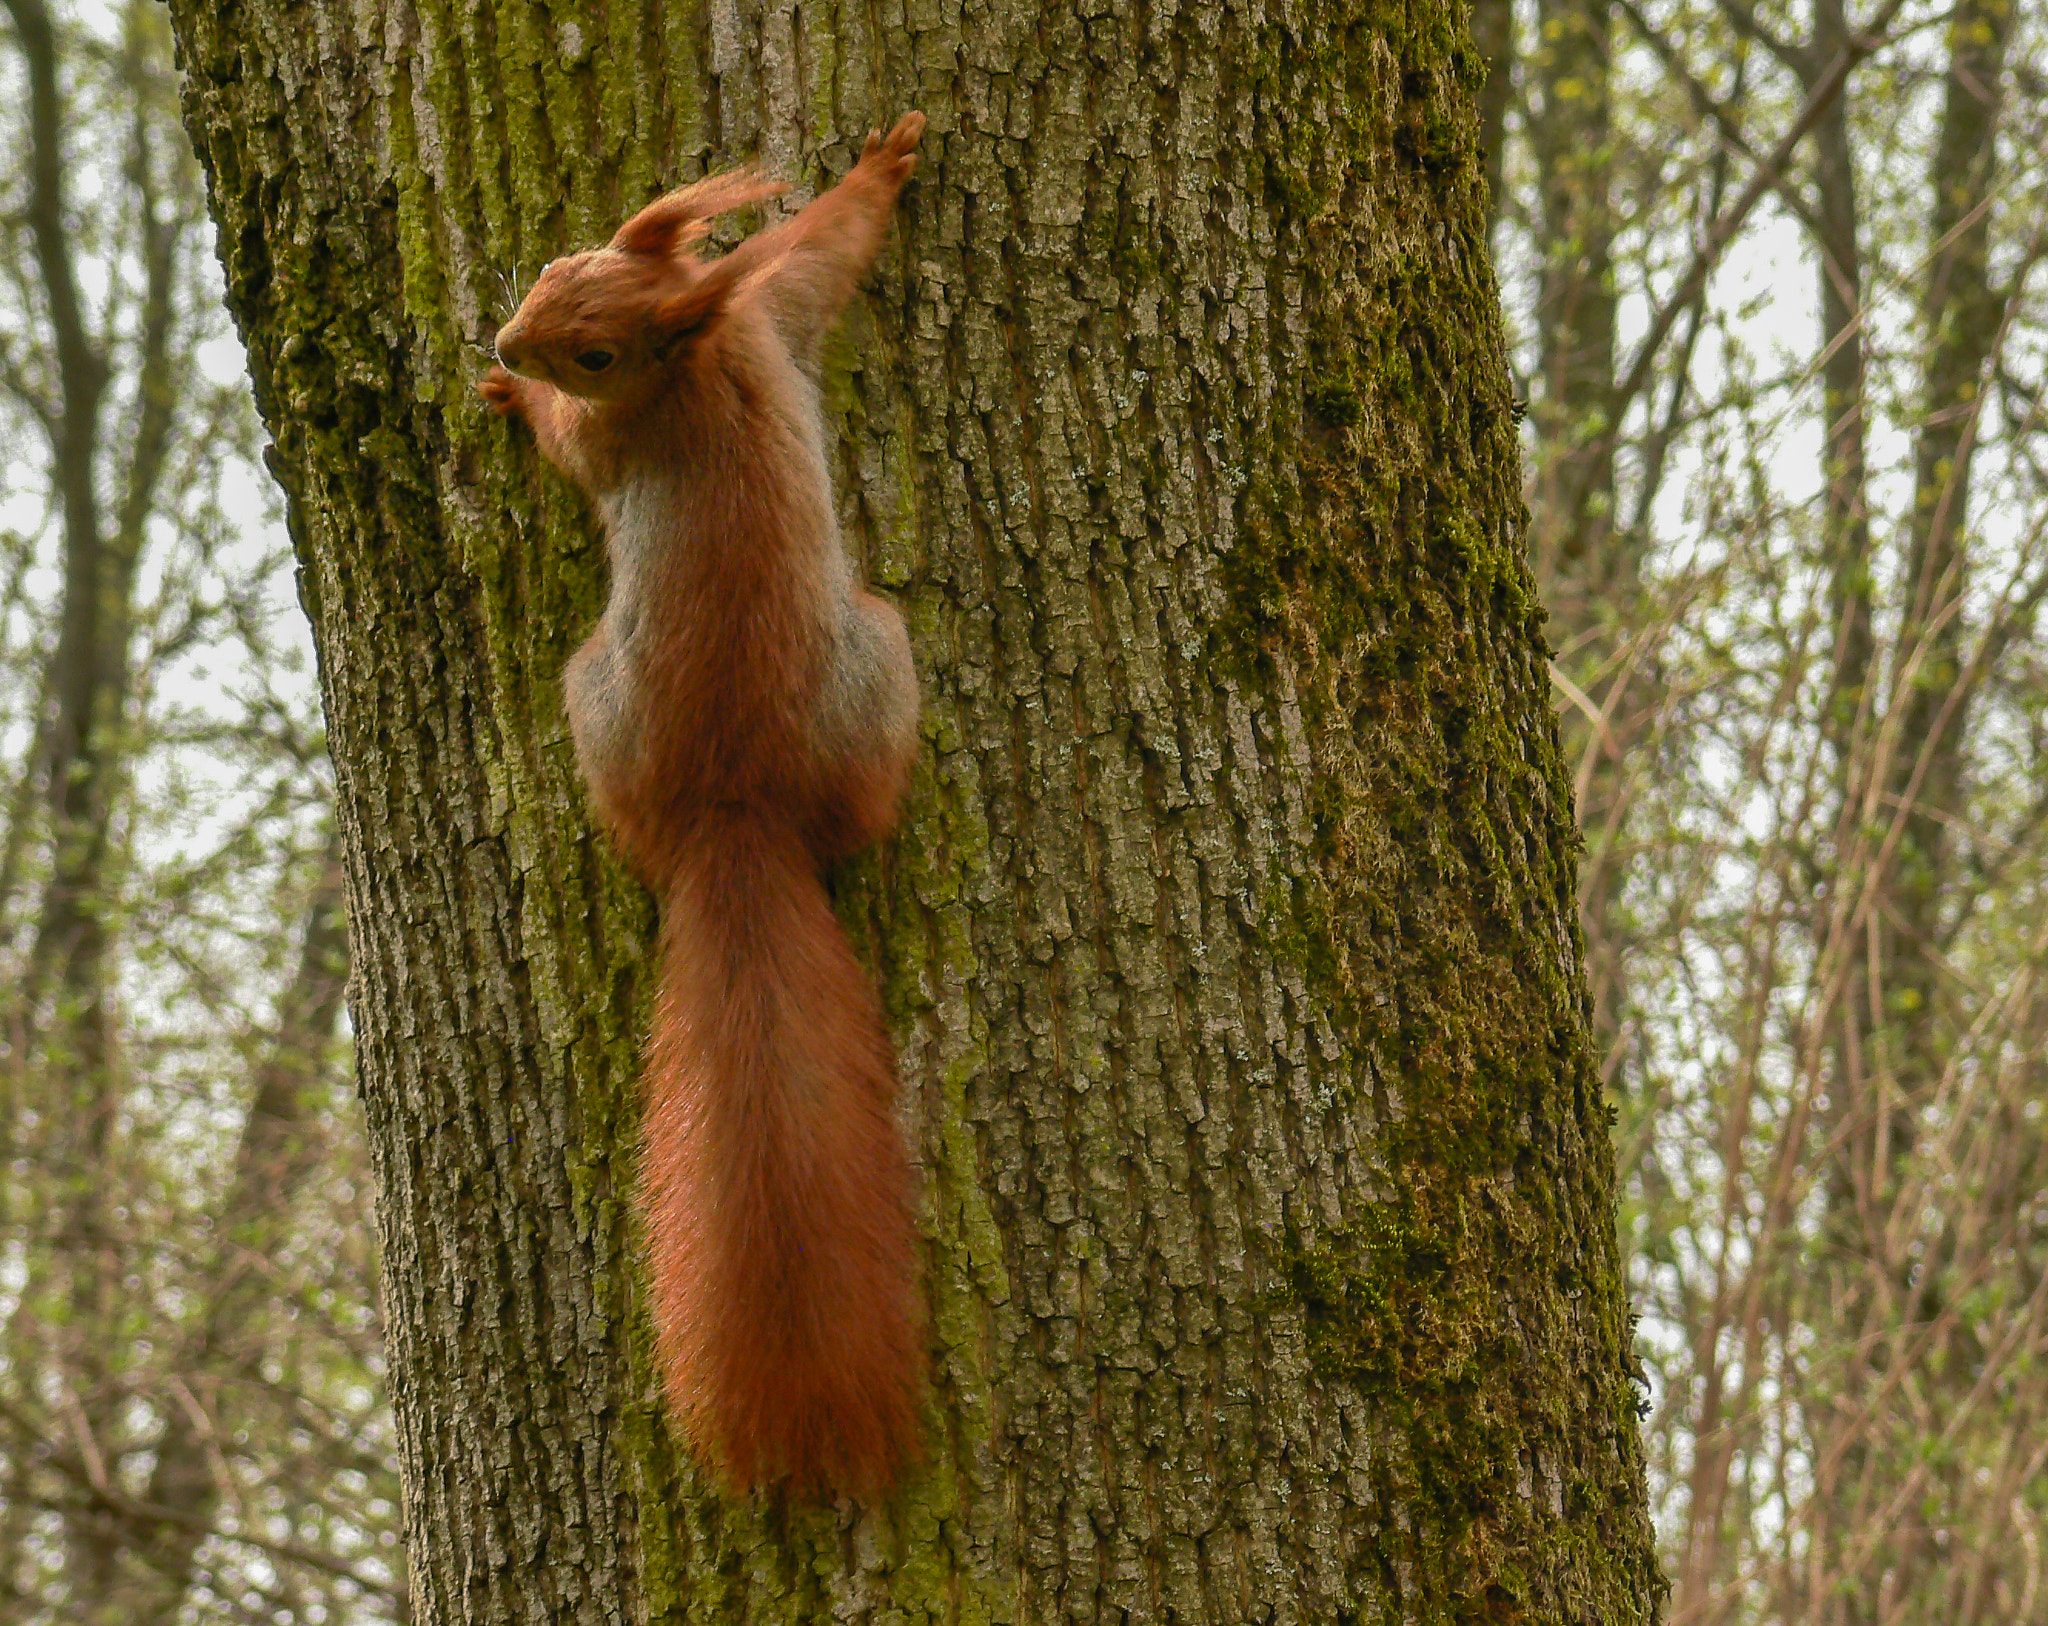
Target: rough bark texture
(1229,940)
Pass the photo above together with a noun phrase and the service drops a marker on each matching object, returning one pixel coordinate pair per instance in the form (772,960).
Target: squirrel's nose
(510,351)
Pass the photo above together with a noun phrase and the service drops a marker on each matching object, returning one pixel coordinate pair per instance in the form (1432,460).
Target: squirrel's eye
(594,361)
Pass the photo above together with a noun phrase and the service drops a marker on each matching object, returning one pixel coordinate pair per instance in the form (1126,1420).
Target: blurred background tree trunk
(189,1427)
(1908,778)
(1584,560)
(61,1002)
(1228,939)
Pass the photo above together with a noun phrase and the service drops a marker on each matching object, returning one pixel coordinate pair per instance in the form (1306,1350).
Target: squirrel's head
(600,323)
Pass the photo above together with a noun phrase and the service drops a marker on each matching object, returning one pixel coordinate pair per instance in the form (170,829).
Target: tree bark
(1229,939)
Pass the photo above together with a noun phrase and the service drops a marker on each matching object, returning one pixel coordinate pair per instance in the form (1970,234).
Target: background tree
(1823,816)
(190,1422)
(1229,937)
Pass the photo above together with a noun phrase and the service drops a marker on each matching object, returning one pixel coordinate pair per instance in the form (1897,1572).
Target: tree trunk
(1228,939)
(1588,567)
(59,1010)
(1898,1019)
(1571,136)
(278,1149)
(1493,36)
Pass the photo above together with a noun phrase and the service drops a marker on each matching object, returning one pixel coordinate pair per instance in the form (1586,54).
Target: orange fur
(744,714)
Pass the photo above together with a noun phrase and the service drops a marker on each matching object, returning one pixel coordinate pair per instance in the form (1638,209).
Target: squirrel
(744,715)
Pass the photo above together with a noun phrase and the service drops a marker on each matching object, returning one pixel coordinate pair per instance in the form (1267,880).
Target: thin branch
(1714,110)
(1723,231)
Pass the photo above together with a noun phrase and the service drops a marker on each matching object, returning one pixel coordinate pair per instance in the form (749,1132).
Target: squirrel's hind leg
(606,727)
(867,724)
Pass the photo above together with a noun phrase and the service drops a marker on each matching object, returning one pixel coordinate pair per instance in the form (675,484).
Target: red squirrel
(744,715)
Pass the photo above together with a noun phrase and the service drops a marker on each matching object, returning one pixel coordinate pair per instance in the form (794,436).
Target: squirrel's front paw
(894,156)
(500,391)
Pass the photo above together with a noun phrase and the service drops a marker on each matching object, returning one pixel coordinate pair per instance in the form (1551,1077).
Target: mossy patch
(1377,570)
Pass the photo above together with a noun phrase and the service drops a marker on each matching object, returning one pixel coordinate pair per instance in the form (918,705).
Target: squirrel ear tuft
(679,218)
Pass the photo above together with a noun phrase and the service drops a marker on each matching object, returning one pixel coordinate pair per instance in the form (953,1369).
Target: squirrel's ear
(691,308)
(679,218)
(724,283)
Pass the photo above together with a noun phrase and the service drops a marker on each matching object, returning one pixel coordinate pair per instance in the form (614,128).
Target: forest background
(1772,273)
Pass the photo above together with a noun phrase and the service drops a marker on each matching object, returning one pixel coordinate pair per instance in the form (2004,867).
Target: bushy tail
(775,1188)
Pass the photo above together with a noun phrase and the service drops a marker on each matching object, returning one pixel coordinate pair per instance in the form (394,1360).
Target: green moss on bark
(1381,566)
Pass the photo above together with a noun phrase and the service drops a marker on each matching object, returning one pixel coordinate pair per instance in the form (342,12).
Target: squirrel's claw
(908,132)
(500,391)
(895,155)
